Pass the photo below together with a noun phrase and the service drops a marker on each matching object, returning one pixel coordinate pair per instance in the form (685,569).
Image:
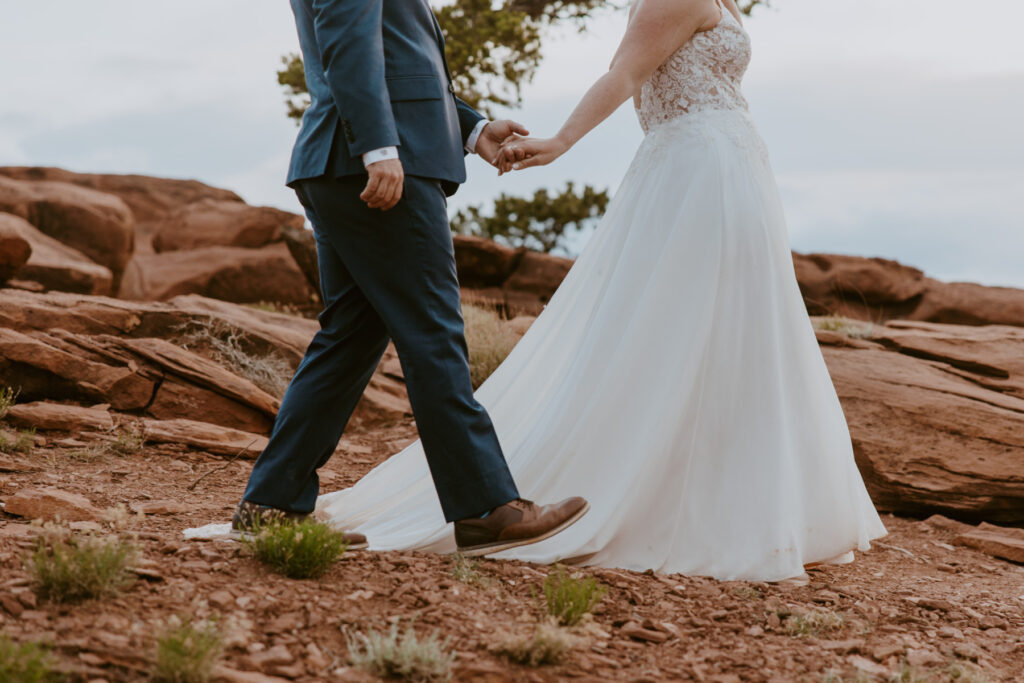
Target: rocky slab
(51,504)
(60,416)
(54,265)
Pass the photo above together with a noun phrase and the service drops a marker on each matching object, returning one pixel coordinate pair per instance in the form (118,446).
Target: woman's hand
(518,153)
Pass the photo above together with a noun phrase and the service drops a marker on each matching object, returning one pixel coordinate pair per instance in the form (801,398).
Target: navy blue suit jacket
(377,77)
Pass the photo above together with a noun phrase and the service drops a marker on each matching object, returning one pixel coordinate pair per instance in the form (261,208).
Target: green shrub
(65,568)
(403,656)
(569,598)
(187,652)
(8,395)
(548,644)
(25,663)
(299,550)
(489,341)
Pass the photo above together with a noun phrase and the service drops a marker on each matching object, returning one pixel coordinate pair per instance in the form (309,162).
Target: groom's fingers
(518,128)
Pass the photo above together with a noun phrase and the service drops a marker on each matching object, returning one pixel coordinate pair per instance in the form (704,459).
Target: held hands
(384,188)
(518,153)
(493,135)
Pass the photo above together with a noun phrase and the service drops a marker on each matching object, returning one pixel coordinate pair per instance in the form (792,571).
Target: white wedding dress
(674,380)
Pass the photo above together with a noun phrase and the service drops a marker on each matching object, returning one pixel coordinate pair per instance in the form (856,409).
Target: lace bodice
(704,74)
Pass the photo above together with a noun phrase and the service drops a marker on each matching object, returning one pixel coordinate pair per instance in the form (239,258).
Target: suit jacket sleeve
(468,118)
(348,33)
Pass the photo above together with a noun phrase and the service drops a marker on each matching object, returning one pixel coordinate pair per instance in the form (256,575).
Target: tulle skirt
(674,380)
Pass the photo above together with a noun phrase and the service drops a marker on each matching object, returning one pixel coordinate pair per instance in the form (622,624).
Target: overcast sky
(894,127)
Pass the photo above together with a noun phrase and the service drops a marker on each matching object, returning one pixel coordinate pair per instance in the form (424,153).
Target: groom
(381,147)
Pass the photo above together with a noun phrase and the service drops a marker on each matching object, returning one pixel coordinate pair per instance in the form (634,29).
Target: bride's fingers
(536,160)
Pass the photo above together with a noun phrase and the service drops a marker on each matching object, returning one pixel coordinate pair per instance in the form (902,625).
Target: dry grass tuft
(815,622)
(844,326)
(401,655)
(269,372)
(489,340)
(187,651)
(20,442)
(548,644)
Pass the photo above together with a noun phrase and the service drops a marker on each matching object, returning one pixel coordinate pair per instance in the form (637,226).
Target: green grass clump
(404,656)
(187,652)
(8,395)
(67,569)
(128,441)
(548,644)
(23,442)
(489,341)
(299,550)
(815,622)
(569,598)
(26,663)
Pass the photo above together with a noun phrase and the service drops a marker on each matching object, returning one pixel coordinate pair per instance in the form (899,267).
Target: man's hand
(494,133)
(384,189)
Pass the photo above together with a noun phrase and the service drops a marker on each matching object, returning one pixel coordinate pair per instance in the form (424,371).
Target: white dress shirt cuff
(382,154)
(475,135)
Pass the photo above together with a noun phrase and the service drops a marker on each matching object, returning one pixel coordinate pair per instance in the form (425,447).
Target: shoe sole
(237,535)
(490,548)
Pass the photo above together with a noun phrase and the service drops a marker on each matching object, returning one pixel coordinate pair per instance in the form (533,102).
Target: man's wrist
(382,154)
(474,137)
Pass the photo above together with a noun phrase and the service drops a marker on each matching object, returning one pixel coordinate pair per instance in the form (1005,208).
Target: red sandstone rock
(15,250)
(69,418)
(211,222)
(96,224)
(229,273)
(51,504)
(55,265)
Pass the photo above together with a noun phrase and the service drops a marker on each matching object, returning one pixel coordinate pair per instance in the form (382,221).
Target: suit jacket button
(451,88)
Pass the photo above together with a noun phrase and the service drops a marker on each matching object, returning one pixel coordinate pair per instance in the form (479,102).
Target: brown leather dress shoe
(249,517)
(520,522)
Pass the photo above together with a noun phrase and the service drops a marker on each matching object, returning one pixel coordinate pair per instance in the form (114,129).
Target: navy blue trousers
(385,275)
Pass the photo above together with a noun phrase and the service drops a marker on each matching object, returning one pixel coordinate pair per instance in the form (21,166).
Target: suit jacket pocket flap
(405,88)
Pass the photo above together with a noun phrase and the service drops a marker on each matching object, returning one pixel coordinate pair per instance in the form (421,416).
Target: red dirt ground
(916,605)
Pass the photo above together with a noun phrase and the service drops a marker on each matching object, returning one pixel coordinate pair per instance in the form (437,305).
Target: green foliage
(299,550)
(493,47)
(65,568)
(8,395)
(467,570)
(548,644)
(23,442)
(25,663)
(402,656)
(187,652)
(569,598)
(489,341)
(541,222)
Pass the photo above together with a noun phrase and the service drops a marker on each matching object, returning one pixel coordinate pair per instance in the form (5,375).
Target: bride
(674,379)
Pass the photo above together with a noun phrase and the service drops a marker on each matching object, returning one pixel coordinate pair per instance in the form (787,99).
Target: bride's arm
(657,29)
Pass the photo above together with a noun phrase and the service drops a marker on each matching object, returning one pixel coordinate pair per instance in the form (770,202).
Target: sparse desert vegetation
(68,567)
(187,651)
(298,550)
(489,340)
(546,643)
(402,655)
(226,345)
(24,663)
(570,597)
